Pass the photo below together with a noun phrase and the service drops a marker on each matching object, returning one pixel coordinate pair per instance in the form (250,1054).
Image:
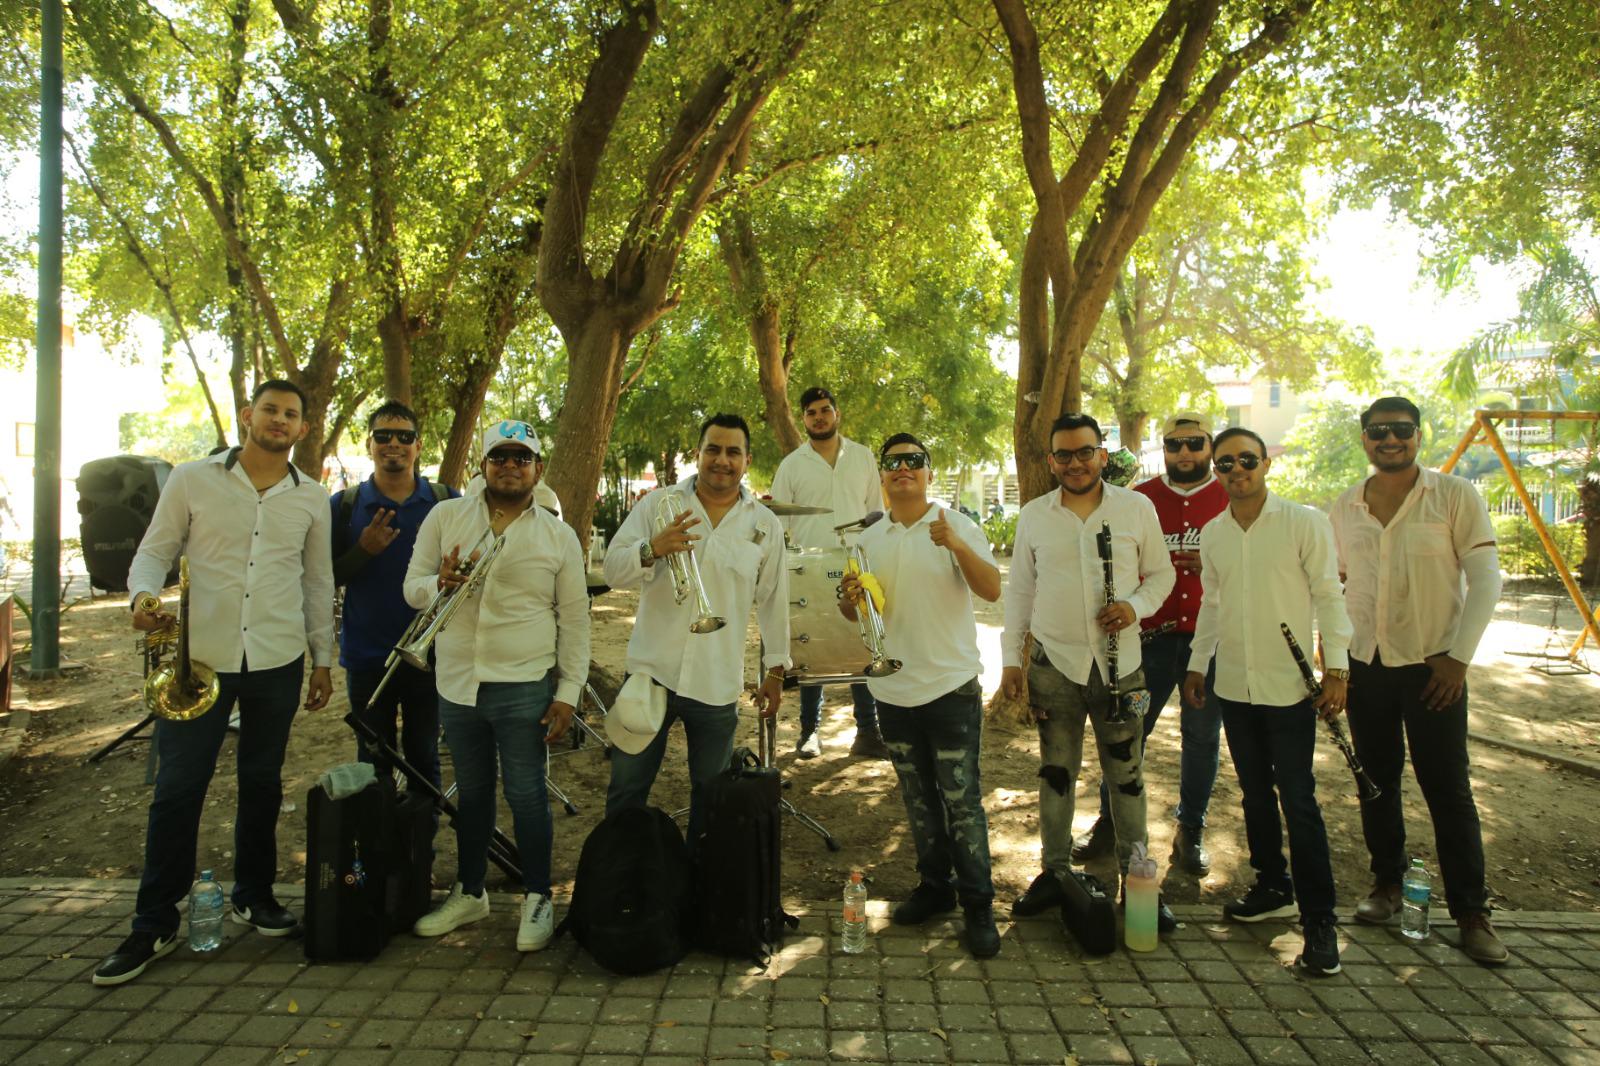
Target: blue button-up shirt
(375,610)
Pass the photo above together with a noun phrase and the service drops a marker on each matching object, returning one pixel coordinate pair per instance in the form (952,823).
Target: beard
(1390,464)
(1062,481)
(514,498)
(1179,476)
(267,444)
(824,434)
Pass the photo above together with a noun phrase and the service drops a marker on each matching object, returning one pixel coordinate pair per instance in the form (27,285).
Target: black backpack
(738,864)
(630,899)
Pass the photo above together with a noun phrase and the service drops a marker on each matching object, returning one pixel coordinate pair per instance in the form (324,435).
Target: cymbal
(784,510)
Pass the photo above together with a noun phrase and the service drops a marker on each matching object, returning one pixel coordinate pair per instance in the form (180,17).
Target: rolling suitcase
(409,874)
(347,882)
(738,864)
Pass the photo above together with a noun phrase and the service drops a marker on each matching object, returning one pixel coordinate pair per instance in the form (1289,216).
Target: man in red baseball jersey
(1186,498)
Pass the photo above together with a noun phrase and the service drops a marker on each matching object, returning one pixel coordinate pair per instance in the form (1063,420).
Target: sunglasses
(1083,455)
(514,458)
(1177,444)
(909,460)
(404,436)
(1247,460)
(1376,431)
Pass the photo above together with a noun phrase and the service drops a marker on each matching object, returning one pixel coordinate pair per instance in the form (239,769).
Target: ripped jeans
(1121,750)
(934,748)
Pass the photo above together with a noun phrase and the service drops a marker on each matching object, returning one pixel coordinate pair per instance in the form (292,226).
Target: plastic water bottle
(855,914)
(205,914)
(1142,896)
(1414,892)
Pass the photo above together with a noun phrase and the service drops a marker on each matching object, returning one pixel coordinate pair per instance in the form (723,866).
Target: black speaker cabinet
(116,500)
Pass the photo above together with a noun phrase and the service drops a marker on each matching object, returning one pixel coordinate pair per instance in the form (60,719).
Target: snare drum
(824,646)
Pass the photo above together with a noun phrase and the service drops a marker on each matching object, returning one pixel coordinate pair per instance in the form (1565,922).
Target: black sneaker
(1321,954)
(983,939)
(269,919)
(1189,852)
(925,902)
(1259,904)
(1100,840)
(1166,921)
(132,956)
(1045,892)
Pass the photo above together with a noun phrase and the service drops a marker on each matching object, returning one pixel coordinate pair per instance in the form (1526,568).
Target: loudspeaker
(116,500)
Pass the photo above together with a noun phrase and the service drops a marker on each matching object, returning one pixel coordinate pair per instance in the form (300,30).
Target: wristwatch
(647,555)
(1336,673)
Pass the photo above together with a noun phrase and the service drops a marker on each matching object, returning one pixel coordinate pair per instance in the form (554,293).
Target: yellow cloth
(869,581)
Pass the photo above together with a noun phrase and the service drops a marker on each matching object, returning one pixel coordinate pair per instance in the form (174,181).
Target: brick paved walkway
(1212,994)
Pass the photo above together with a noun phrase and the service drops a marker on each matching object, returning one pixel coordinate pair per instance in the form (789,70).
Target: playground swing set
(1556,660)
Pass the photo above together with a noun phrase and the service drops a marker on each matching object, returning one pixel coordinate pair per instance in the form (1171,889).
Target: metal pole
(46,661)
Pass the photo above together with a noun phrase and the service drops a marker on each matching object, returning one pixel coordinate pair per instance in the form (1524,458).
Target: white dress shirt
(260,564)
(928,623)
(741,563)
(849,487)
(1057,583)
(532,613)
(1282,569)
(1403,582)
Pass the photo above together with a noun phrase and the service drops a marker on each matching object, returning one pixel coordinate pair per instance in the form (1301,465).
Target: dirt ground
(61,816)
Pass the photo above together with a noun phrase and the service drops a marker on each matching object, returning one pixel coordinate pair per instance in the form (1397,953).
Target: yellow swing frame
(1482,431)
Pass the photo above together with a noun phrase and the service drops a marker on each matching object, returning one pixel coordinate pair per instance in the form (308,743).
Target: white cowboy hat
(636,714)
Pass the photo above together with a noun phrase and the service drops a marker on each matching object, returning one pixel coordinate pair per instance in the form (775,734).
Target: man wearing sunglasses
(1057,592)
(510,664)
(931,561)
(829,471)
(1185,500)
(1265,562)
(374,529)
(1409,539)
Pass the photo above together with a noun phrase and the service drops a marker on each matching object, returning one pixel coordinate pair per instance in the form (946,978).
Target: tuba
(686,570)
(182,689)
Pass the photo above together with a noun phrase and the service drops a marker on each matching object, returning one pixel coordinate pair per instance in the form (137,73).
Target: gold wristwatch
(1336,673)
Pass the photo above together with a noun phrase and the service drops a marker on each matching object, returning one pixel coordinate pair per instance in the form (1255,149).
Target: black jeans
(1272,749)
(1386,712)
(934,748)
(268,700)
(412,695)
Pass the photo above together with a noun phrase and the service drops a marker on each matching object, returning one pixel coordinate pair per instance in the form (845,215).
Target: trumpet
(870,622)
(1366,787)
(686,569)
(182,689)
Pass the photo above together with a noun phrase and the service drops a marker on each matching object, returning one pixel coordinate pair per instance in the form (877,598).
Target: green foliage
(1521,553)
(180,431)
(1001,530)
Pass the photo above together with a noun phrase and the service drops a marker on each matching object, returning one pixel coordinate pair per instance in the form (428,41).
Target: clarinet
(1366,787)
(1102,541)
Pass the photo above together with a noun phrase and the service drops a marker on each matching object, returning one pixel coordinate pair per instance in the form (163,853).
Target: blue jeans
(1272,749)
(1166,661)
(268,700)
(709,731)
(505,720)
(934,749)
(811,707)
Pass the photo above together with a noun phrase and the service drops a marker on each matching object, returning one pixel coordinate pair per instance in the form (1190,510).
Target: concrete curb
(1567,762)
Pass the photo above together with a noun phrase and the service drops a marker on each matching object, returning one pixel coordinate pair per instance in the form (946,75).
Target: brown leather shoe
(1478,940)
(1378,908)
(869,744)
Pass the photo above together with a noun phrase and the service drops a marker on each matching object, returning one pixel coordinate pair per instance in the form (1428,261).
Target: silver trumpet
(432,620)
(870,622)
(686,569)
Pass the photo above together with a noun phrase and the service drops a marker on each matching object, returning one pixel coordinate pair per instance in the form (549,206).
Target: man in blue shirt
(374,528)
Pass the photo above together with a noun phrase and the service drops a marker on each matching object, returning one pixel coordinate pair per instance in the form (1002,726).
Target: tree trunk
(772,362)
(460,462)
(595,360)
(1589,507)
(1131,426)
(667,468)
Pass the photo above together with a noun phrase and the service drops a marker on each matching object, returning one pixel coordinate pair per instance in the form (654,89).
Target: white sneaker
(457,910)
(538,922)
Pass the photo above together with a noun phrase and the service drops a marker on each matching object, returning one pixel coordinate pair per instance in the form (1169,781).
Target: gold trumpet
(181,689)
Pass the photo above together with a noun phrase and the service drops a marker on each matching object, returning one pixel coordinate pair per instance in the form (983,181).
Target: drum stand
(764,743)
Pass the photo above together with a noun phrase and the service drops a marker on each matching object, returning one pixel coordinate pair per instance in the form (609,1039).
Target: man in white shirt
(1408,539)
(255,531)
(1265,562)
(1056,591)
(510,666)
(829,471)
(738,544)
(929,562)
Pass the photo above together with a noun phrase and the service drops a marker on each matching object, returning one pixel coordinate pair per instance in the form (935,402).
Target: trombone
(417,640)
(686,569)
(182,689)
